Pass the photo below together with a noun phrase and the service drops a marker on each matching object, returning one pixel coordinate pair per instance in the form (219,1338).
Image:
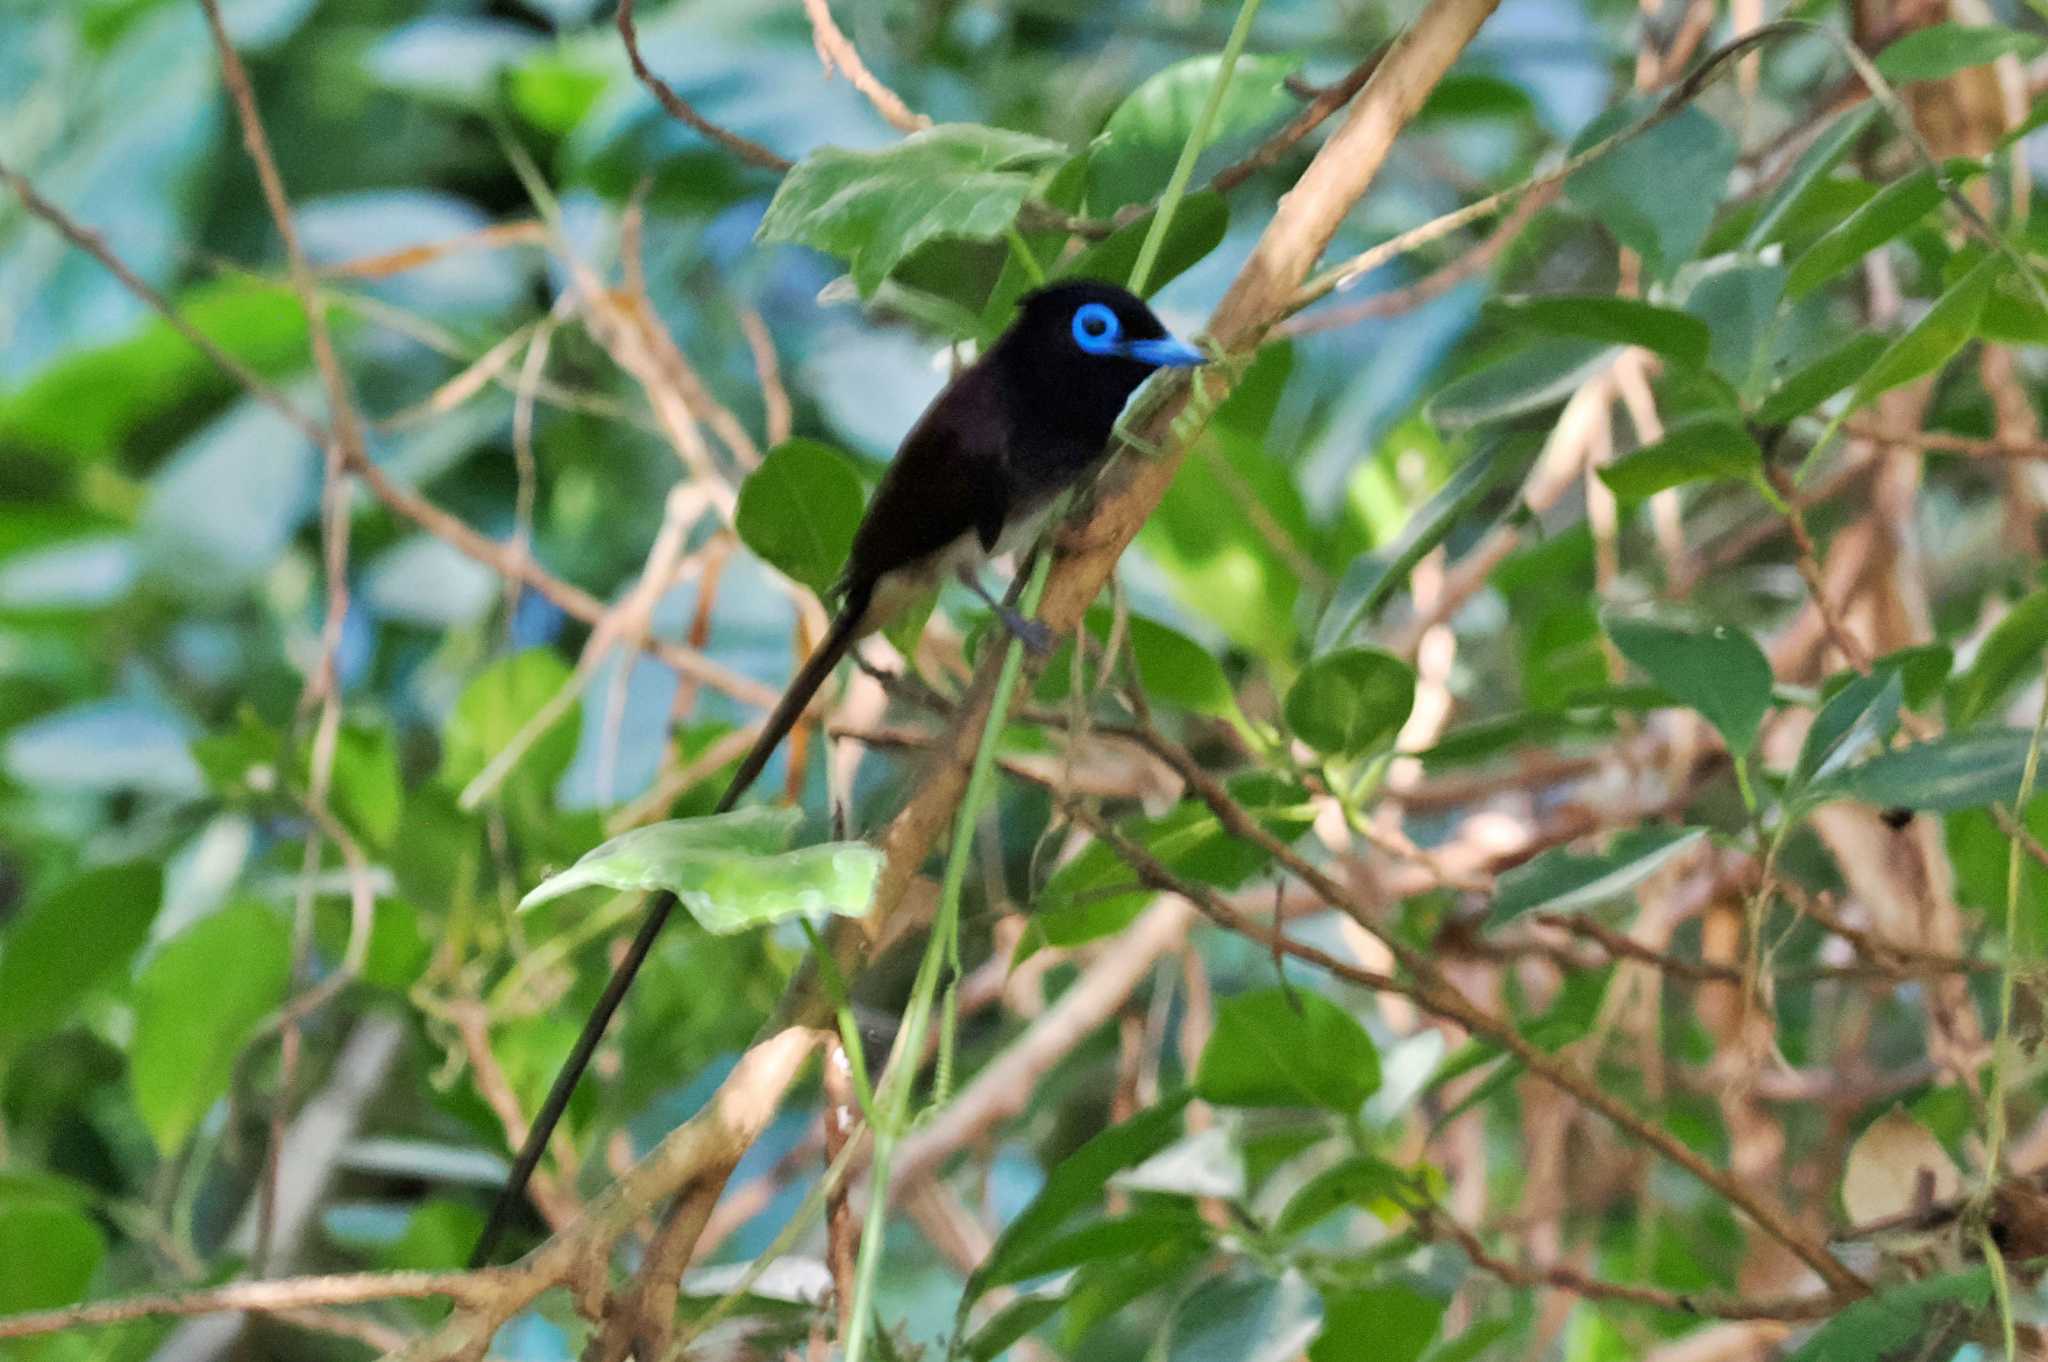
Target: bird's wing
(946,481)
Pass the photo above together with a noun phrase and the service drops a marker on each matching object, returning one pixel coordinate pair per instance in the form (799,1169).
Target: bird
(977,473)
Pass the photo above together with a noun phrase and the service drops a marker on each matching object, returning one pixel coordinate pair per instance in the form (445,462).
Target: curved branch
(748,150)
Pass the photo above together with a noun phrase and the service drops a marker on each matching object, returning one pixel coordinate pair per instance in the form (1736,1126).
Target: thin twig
(752,152)
(837,52)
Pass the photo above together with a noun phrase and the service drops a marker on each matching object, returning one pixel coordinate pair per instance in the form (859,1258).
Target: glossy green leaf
(1197,229)
(1941,50)
(2010,654)
(1933,340)
(1373,578)
(51,1251)
(197,1003)
(1362,1181)
(1388,1322)
(1287,1048)
(1862,715)
(1720,672)
(1526,381)
(71,939)
(1010,1324)
(1810,169)
(1073,1185)
(1245,1317)
(1815,383)
(1964,770)
(1347,703)
(1689,153)
(1708,447)
(1135,153)
(1899,1321)
(1615,320)
(496,705)
(799,509)
(730,870)
(873,208)
(1566,882)
(368,792)
(1897,207)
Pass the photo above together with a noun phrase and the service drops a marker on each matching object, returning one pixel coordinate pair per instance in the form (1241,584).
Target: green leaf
(1955,771)
(1108,1240)
(1706,447)
(196,1004)
(1897,207)
(1863,714)
(73,938)
(1565,882)
(1688,154)
(492,709)
(1073,1184)
(1899,1321)
(1350,702)
(1389,1322)
(1739,304)
(1241,1317)
(1811,167)
(1372,578)
(51,1251)
(730,869)
(1009,1325)
(2011,653)
(368,793)
(1361,1180)
(1719,672)
(873,208)
(1174,668)
(1933,340)
(799,509)
(1943,49)
(1287,1048)
(1814,384)
(1528,380)
(86,404)
(1134,156)
(1197,229)
(1605,317)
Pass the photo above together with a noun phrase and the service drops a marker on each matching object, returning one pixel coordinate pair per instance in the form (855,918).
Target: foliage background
(266,1008)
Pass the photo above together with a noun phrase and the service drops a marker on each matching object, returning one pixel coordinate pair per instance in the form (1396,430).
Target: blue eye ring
(1096,329)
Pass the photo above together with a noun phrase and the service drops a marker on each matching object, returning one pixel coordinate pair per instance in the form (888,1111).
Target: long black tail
(838,640)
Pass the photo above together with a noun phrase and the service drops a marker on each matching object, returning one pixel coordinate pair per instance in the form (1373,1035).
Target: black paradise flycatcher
(976,473)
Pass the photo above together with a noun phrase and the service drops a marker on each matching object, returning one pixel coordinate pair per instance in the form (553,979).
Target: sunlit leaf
(1943,49)
(72,938)
(730,870)
(1863,714)
(1135,153)
(1897,207)
(196,1004)
(1933,340)
(1821,379)
(873,208)
(1287,1048)
(1346,703)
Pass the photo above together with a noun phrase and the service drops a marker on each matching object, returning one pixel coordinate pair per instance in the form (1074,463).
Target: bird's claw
(1035,635)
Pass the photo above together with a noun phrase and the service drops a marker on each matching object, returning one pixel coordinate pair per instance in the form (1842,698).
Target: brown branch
(275,1297)
(1977,447)
(1433,285)
(1435,1223)
(1321,105)
(752,152)
(837,52)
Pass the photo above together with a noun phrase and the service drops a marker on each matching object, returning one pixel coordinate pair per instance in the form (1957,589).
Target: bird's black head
(1085,346)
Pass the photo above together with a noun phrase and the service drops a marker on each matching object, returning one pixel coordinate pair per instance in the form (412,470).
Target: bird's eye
(1095,328)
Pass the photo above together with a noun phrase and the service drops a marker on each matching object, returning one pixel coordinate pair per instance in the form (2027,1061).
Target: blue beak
(1165,353)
